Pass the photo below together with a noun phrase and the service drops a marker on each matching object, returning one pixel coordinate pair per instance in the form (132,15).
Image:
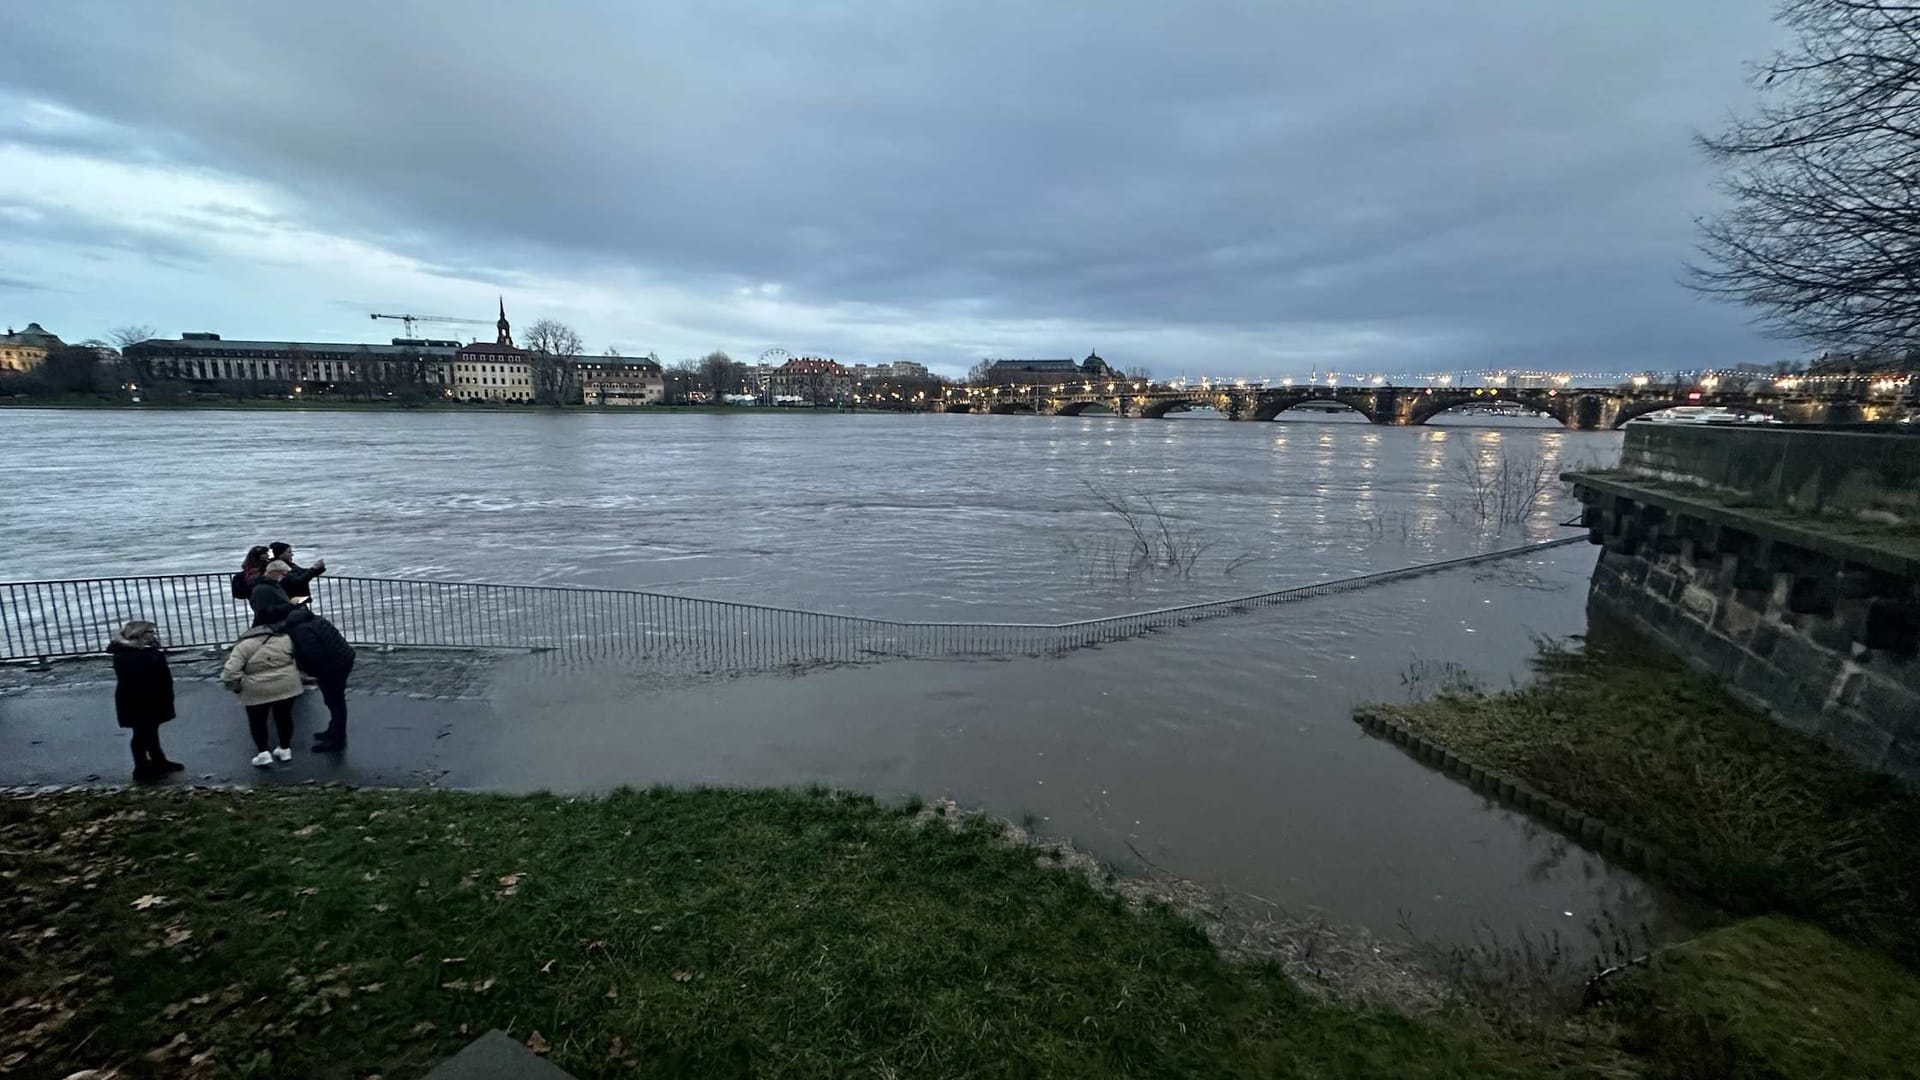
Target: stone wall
(1819,631)
(1863,476)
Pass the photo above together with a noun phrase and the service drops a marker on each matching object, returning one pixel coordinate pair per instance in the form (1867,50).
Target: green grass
(1760,818)
(331,933)
(1771,997)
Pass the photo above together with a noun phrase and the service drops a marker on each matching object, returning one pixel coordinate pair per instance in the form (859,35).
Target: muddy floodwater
(1223,751)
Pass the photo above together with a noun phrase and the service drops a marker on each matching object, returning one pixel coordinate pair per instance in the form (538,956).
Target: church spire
(505,327)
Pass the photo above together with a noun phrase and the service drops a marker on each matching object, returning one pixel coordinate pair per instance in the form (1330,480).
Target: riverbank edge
(1590,831)
(1408,994)
(1710,1005)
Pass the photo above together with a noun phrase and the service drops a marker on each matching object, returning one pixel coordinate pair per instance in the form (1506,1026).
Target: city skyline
(1233,192)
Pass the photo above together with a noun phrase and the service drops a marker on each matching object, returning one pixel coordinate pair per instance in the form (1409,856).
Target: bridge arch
(1271,407)
(958,407)
(1007,408)
(1566,410)
(1634,410)
(1079,408)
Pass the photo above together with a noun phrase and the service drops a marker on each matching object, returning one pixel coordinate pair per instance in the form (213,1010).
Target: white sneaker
(283,753)
(263,759)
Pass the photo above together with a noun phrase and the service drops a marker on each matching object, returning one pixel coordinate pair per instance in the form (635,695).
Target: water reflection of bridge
(1579,408)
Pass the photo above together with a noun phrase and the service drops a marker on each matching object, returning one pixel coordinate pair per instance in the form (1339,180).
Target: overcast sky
(1253,188)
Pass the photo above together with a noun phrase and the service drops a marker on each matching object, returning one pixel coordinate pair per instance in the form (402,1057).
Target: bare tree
(720,374)
(132,334)
(1824,232)
(681,378)
(978,373)
(554,347)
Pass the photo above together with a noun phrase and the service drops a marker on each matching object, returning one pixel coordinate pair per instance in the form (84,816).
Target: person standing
(322,652)
(260,669)
(251,568)
(298,577)
(143,696)
(269,598)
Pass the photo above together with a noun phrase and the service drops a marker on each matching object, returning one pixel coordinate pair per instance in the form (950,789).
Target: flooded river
(1223,752)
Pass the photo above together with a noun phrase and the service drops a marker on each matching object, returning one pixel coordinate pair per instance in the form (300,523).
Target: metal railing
(50,619)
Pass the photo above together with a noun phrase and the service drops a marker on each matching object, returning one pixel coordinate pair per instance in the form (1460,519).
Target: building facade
(494,371)
(207,361)
(898,371)
(614,380)
(1049,372)
(812,380)
(26,350)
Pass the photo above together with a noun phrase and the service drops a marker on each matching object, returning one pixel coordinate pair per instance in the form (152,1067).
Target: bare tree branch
(1824,232)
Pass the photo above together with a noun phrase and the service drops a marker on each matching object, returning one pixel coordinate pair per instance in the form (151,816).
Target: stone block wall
(1842,475)
(1824,644)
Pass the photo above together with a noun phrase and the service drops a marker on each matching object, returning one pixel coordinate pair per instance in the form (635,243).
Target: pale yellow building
(28,349)
(493,371)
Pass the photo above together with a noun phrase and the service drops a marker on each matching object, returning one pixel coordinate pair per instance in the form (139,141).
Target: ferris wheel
(775,356)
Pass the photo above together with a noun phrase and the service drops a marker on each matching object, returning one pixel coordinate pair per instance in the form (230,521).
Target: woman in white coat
(260,669)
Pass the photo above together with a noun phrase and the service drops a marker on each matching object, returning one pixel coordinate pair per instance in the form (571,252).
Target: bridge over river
(1579,408)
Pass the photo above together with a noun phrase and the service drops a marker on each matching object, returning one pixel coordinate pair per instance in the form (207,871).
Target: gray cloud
(1476,183)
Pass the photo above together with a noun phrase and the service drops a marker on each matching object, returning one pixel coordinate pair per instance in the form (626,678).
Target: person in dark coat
(298,576)
(321,651)
(251,568)
(143,696)
(269,599)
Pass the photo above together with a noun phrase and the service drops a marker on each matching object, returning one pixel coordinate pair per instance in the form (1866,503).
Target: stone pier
(1785,562)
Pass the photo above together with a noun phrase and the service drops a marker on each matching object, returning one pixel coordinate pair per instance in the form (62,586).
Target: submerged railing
(49,619)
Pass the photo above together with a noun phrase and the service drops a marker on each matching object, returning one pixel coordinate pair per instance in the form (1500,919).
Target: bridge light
(1639,382)
(1288,381)
(1379,380)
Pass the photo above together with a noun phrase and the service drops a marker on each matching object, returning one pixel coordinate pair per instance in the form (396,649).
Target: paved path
(406,709)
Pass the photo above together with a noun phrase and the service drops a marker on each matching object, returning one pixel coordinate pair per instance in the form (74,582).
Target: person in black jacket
(298,576)
(269,600)
(321,651)
(143,695)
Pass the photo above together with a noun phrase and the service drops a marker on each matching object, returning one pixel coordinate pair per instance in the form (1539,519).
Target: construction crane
(409,320)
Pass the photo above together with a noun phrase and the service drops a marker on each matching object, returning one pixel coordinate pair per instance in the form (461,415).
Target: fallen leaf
(453,959)
(177,936)
(616,1049)
(148,901)
(307,831)
(13,1059)
(421,1028)
(484,986)
(510,881)
(373,988)
(380,908)
(456,984)
(613,993)
(682,976)
(594,944)
(548,966)
(537,1044)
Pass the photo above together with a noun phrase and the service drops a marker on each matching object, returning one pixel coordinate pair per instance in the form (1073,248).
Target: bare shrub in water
(1425,679)
(1500,489)
(1148,544)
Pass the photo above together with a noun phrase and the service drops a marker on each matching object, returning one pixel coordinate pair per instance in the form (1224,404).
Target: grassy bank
(1761,819)
(328,933)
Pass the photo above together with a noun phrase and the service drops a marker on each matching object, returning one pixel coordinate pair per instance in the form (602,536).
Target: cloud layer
(1233,188)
